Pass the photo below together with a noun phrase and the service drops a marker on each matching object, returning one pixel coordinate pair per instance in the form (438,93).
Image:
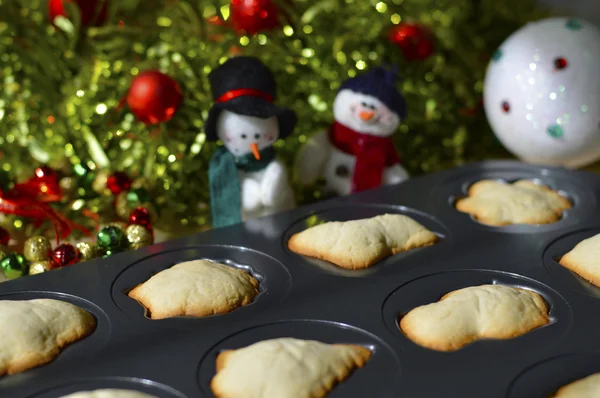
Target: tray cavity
(274,279)
(381,373)
(146,386)
(400,261)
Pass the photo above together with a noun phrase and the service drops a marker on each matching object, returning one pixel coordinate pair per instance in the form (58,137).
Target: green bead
(14,266)
(111,238)
(137,196)
(85,179)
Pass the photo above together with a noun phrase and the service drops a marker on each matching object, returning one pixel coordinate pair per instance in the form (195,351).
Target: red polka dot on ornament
(140,216)
(505,106)
(4,237)
(154,97)
(118,182)
(560,63)
(415,41)
(92,12)
(65,255)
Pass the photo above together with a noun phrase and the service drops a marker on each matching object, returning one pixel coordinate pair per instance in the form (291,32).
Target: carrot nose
(366,115)
(255,152)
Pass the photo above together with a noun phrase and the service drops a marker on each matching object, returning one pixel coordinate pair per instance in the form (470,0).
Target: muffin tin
(311,299)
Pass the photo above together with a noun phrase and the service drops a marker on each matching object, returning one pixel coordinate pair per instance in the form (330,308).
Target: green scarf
(225,190)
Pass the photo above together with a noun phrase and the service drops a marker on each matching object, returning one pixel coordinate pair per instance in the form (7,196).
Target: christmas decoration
(154,97)
(140,216)
(118,182)
(254,16)
(542,94)
(246,180)
(4,252)
(92,12)
(415,41)
(138,236)
(111,238)
(65,255)
(87,251)
(41,266)
(37,248)
(4,237)
(357,153)
(128,201)
(14,266)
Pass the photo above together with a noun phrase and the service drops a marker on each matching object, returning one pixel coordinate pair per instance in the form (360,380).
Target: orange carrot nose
(367,115)
(255,152)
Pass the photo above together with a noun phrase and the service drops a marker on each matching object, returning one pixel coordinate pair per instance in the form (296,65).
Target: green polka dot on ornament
(111,239)
(14,266)
(497,56)
(573,24)
(555,131)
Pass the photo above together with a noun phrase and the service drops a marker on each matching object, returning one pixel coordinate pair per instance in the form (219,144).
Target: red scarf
(373,155)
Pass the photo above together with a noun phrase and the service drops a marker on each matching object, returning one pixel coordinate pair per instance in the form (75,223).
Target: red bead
(65,255)
(154,97)
(118,182)
(91,13)
(140,216)
(560,63)
(415,42)
(505,106)
(254,16)
(4,237)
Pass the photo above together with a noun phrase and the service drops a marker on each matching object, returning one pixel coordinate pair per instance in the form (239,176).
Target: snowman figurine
(357,152)
(246,179)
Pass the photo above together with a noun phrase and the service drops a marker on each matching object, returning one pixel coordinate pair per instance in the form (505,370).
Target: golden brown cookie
(584,259)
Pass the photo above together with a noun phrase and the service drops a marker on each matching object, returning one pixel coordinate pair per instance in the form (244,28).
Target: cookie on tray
(497,203)
(285,368)
(588,387)
(466,315)
(108,393)
(35,331)
(362,243)
(584,259)
(196,288)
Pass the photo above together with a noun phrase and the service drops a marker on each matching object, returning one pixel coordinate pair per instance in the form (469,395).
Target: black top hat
(244,85)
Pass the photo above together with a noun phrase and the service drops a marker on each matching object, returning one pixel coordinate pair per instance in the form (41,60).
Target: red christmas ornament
(118,182)
(93,12)
(415,42)
(4,237)
(254,16)
(154,97)
(140,216)
(65,255)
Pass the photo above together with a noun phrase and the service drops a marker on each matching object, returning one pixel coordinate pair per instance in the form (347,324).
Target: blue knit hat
(381,84)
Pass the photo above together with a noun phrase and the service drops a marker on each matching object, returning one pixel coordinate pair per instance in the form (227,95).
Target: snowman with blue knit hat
(357,152)
(246,179)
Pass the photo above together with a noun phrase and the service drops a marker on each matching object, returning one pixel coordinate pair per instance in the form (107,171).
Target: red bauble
(93,12)
(140,216)
(65,255)
(154,97)
(4,237)
(254,16)
(415,42)
(118,182)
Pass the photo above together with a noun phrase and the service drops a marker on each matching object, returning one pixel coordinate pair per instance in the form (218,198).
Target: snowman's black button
(342,171)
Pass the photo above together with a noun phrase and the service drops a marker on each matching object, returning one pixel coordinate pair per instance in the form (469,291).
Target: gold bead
(37,248)
(99,183)
(138,236)
(87,251)
(38,267)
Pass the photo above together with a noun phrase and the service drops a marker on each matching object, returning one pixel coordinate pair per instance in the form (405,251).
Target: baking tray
(310,299)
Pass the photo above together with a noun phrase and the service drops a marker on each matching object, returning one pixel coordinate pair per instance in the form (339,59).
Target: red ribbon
(244,92)
(31,200)
(373,155)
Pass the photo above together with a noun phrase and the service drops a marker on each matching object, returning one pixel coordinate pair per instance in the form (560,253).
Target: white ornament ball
(542,93)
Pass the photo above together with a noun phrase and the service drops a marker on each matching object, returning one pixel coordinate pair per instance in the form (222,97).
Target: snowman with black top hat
(246,179)
(357,152)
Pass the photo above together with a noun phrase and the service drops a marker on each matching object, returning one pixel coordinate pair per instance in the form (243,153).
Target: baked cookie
(34,331)
(523,202)
(361,243)
(108,393)
(588,387)
(584,259)
(285,368)
(196,288)
(480,312)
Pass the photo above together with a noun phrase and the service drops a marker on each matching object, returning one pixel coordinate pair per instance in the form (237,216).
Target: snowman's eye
(505,106)
(364,104)
(244,136)
(560,63)
(256,136)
